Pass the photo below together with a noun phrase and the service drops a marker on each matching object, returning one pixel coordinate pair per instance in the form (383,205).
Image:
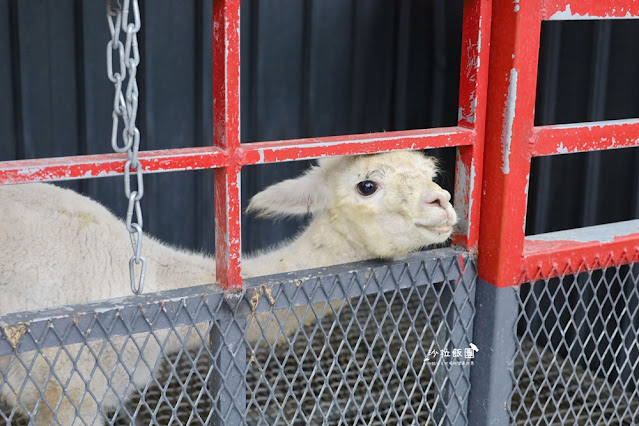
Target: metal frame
(507,256)
(228,313)
(228,155)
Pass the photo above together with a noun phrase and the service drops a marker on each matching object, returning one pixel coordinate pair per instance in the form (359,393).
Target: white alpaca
(59,248)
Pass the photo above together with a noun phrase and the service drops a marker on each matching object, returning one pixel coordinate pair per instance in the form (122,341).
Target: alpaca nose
(437,199)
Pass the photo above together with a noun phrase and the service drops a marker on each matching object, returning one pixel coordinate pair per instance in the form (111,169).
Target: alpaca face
(385,205)
(388,203)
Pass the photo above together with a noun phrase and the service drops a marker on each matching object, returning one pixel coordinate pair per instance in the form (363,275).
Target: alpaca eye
(367,187)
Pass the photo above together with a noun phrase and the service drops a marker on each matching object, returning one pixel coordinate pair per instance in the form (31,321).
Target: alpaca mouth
(444,229)
(440,229)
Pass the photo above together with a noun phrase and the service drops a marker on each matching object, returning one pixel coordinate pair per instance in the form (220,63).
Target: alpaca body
(60,248)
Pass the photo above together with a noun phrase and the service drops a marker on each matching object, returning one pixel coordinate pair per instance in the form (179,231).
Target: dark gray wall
(309,68)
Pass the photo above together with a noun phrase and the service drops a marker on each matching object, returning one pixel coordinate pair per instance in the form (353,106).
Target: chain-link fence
(577,350)
(359,344)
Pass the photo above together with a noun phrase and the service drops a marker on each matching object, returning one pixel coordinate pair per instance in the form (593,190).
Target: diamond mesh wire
(369,358)
(577,351)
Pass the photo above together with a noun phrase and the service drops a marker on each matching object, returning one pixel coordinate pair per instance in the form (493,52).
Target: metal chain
(125,106)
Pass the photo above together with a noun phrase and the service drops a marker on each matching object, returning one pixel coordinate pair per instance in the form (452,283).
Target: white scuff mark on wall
(516,8)
(509,118)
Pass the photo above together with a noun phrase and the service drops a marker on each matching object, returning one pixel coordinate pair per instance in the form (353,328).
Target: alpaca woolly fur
(58,247)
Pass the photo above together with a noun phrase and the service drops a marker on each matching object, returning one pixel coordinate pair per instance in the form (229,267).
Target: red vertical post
(472,112)
(226,135)
(510,104)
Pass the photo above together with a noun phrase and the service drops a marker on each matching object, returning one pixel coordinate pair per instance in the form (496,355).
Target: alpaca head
(386,204)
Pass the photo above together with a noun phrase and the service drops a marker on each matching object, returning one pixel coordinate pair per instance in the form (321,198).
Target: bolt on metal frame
(507,257)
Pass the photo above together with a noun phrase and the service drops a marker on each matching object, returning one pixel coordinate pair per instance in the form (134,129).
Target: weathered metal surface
(588,9)
(582,137)
(101,165)
(578,250)
(472,113)
(301,149)
(510,105)
(505,256)
(226,135)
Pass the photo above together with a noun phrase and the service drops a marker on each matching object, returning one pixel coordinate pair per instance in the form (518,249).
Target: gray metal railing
(369,343)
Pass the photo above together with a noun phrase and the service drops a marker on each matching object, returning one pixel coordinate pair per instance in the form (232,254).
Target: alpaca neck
(320,244)
(172,268)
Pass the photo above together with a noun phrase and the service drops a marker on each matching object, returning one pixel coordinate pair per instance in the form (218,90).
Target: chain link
(125,106)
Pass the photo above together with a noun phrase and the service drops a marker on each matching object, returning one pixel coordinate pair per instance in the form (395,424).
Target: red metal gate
(229,155)
(507,257)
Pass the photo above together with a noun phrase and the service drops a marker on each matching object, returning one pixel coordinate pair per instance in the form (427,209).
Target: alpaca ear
(303,195)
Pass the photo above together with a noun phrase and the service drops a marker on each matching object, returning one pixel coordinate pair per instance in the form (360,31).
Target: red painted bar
(226,135)
(227,227)
(302,149)
(472,113)
(546,259)
(510,104)
(588,9)
(86,166)
(581,137)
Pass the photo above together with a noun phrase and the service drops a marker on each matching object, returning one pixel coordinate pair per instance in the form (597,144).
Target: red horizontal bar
(588,9)
(547,259)
(112,164)
(581,137)
(85,166)
(301,149)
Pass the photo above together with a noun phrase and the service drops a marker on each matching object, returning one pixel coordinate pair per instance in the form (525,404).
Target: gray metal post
(496,311)
(457,297)
(228,382)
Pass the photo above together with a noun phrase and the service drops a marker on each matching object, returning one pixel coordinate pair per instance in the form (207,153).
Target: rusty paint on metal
(560,10)
(228,155)
(227,227)
(465,196)
(509,118)
(14,333)
(583,137)
(592,234)
(226,136)
(545,259)
(506,257)
(462,204)
(476,33)
(100,165)
(299,149)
